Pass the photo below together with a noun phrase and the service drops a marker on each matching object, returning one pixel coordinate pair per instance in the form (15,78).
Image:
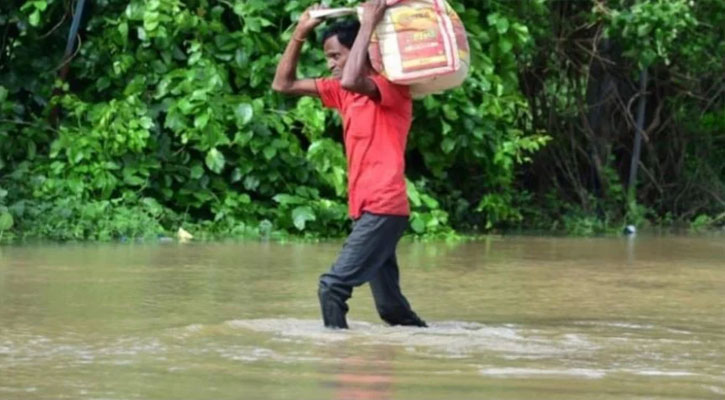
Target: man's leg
(392,306)
(370,244)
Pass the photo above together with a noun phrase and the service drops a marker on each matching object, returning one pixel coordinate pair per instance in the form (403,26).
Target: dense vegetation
(163,117)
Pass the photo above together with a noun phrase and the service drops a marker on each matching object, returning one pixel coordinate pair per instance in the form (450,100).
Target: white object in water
(183,235)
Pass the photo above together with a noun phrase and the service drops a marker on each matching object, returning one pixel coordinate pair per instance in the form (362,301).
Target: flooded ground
(511,318)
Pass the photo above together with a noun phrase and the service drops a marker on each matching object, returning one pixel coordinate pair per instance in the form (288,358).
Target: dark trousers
(368,255)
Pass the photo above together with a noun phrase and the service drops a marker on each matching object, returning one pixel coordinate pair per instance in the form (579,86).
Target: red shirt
(375,134)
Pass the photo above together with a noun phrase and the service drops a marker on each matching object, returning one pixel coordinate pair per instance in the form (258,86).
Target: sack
(422,44)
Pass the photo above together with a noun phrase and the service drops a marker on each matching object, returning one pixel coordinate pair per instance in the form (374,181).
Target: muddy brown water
(511,318)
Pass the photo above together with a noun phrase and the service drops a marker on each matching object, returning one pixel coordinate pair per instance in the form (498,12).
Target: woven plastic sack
(421,43)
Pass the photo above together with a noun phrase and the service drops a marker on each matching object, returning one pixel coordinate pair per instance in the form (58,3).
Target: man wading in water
(376,117)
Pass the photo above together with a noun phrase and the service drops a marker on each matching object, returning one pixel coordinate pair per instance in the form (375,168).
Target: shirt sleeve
(330,92)
(391,94)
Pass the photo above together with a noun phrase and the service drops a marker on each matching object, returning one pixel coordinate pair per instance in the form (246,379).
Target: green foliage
(166,119)
(169,101)
(701,222)
(69,219)
(473,139)
(581,81)
(6,219)
(649,30)
(426,215)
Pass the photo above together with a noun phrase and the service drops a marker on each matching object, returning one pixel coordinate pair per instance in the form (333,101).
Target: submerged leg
(392,306)
(370,244)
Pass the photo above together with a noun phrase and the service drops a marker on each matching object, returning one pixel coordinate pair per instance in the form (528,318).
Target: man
(376,118)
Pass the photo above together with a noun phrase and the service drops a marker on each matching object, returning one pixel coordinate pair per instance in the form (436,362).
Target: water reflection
(357,376)
(631,257)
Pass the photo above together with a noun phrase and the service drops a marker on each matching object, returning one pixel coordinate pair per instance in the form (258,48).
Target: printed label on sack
(420,41)
(460,33)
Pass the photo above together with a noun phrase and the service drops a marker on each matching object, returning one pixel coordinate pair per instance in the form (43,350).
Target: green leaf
(239,8)
(236,175)
(215,160)
(6,221)
(152,205)
(201,121)
(244,113)
(269,152)
(450,112)
(151,21)
(301,215)
(502,25)
(447,145)
(251,182)
(413,194)
(185,106)
(643,30)
(417,224)
(197,171)
(40,4)
(133,180)
(34,18)
(505,45)
(283,199)
(194,58)
(522,32)
(430,202)
(123,30)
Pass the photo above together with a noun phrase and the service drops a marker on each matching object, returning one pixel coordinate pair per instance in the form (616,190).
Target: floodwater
(511,318)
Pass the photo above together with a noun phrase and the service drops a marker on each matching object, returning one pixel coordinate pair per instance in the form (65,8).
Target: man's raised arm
(285,79)
(355,74)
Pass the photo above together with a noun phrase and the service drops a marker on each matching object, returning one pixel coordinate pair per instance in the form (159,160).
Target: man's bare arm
(354,75)
(285,78)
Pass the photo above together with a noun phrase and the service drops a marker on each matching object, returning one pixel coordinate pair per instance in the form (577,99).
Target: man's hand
(373,11)
(307,24)
(285,78)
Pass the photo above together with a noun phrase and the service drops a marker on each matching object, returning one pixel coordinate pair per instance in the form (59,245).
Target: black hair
(346,32)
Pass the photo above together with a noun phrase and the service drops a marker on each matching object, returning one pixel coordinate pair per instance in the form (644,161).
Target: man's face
(336,56)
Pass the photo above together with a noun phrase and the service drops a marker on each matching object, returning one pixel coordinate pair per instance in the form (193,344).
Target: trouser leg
(392,306)
(371,243)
